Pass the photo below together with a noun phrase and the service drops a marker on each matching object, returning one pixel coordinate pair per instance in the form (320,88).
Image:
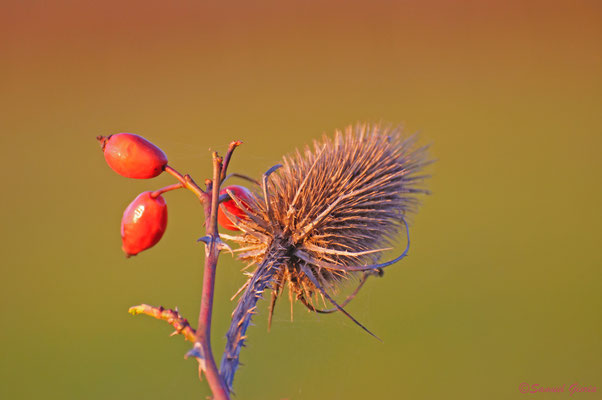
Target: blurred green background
(503,282)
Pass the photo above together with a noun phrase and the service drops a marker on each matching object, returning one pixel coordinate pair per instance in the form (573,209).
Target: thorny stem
(202,344)
(210,200)
(241,317)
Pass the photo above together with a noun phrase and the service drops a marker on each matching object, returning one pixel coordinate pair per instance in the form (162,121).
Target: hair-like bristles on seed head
(327,212)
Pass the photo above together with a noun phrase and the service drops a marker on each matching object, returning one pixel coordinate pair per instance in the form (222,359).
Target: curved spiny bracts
(322,216)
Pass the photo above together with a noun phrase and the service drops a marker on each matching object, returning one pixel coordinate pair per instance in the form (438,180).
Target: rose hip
(244,195)
(143,223)
(133,156)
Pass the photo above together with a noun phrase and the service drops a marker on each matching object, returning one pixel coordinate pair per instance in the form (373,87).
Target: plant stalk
(203,332)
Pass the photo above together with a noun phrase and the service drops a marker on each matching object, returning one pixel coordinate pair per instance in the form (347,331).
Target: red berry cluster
(145,218)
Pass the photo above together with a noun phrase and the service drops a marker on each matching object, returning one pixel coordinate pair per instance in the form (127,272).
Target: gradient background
(503,283)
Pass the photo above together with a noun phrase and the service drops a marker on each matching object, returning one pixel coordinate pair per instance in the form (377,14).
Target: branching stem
(159,192)
(202,344)
(173,317)
(188,183)
(210,199)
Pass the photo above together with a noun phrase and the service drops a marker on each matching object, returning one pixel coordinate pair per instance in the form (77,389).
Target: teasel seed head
(325,214)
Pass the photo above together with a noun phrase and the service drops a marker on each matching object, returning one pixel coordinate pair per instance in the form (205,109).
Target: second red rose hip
(143,223)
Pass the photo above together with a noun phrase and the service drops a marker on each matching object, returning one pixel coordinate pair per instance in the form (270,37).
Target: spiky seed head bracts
(327,213)
(334,208)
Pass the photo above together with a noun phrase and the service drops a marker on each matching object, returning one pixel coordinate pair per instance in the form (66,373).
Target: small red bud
(243,195)
(143,223)
(133,156)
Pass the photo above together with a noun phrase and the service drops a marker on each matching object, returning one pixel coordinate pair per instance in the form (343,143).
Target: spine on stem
(241,317)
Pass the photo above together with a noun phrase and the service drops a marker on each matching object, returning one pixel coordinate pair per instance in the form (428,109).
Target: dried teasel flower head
(324,214)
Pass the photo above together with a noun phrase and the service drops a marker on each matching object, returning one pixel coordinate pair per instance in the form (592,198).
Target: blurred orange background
(503,282)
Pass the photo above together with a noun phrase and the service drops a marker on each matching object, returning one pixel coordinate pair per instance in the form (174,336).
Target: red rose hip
(143,223)
(244,195)
(133,156)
